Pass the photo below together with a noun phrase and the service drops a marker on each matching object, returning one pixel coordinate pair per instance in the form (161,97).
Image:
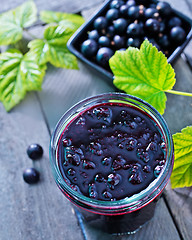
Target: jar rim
(127,204)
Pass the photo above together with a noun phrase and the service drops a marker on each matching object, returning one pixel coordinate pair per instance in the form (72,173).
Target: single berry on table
(31,175)
(34,151)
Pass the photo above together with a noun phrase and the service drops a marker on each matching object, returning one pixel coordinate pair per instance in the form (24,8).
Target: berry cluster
(129,23)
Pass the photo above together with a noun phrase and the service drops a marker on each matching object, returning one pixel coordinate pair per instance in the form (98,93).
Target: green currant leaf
(40,48)
(14,21)
(68,20)
(182,169)
(26,14)
(18,74)
(53,48)
(144,73)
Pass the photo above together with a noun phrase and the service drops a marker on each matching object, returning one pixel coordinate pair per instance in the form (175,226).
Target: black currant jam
(110,152)
(110,156)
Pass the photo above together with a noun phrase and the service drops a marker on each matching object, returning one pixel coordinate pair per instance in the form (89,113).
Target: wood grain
(30,212)
(180,203)
(54,5)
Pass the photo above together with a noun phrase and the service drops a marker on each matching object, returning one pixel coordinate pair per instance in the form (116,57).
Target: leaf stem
(179,93)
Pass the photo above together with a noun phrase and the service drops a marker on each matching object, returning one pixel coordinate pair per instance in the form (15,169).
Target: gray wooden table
(40,212)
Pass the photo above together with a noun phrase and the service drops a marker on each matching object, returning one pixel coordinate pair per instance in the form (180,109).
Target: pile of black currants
(129,23)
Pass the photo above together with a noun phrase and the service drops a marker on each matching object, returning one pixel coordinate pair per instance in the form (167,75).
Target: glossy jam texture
(111,151)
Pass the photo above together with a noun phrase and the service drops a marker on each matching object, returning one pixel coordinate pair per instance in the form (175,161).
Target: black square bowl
(74,43)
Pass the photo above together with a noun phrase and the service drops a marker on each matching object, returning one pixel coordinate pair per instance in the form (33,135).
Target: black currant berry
(94,35)
(31,175)
(133,42)
(112,14)
(104,41)
(89,48)
(103,56)
(164,8)
(110,31)
(116,4)
(134,29)
(174,21)
(120,25)
(152,5)
(100,23)
(152,25)
(177,34)
(118,42)
(162,27)
(130,3)
(151,13)
(164,41)
(34,151)
(123,10)
(133,12)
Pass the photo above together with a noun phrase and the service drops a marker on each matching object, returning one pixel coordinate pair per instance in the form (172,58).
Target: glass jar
(127,215)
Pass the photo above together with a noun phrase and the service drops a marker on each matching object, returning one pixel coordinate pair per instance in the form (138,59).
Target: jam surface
(111,151)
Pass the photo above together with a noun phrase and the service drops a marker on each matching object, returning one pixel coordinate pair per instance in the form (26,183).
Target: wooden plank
(54,5)
(30,212)
(180,202)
